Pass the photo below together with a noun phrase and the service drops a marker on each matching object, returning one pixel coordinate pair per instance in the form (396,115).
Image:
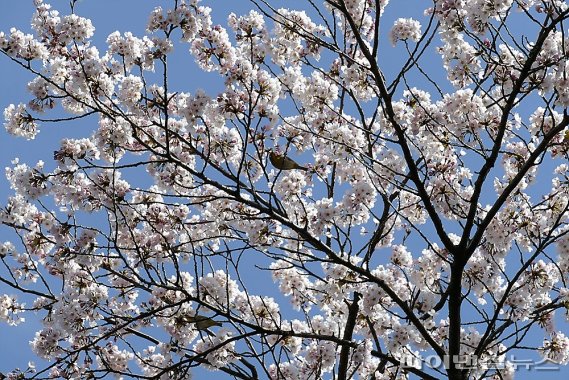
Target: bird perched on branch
(282,162)
(202,323)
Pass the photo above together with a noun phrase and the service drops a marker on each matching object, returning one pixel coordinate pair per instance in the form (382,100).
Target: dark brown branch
(348,332)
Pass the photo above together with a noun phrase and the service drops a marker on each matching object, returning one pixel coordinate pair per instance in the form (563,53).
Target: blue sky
(108,16)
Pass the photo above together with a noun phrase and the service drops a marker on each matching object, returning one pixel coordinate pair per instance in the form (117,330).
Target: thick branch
(348,332)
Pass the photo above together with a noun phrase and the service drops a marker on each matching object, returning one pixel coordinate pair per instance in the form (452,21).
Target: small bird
(282,162)
(202,322)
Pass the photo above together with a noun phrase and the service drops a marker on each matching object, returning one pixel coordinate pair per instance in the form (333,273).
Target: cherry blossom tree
(401,213)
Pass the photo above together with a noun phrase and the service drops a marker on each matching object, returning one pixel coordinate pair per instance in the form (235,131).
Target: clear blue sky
(108,16)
